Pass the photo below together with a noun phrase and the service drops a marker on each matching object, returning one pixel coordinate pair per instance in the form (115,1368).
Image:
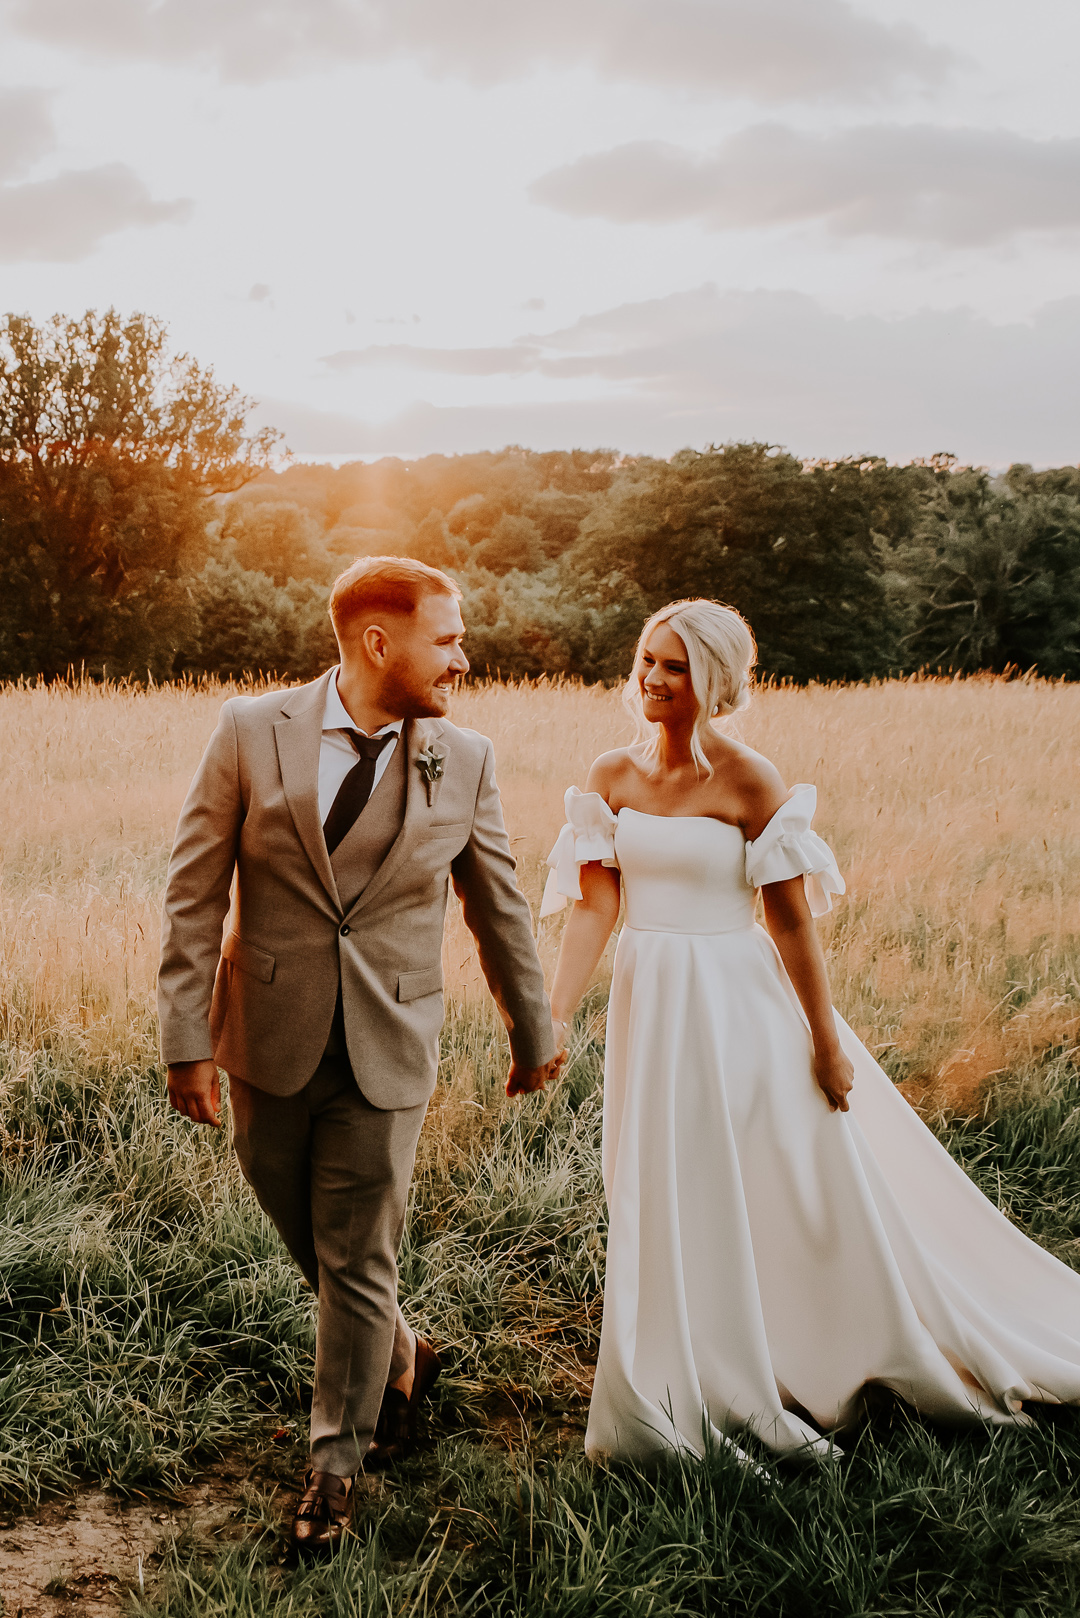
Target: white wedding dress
(768,1257)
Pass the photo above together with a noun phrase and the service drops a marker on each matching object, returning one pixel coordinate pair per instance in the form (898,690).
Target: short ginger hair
(376,584)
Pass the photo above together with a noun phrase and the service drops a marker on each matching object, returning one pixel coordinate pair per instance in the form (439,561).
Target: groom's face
(425,659)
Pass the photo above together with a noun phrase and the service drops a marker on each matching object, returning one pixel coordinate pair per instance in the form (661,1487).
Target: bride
(784,1230)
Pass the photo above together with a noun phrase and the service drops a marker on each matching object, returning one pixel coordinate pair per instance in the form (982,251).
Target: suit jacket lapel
(299,738)
(419,733)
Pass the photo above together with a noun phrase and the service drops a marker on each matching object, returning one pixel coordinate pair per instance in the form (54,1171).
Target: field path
(86,1554)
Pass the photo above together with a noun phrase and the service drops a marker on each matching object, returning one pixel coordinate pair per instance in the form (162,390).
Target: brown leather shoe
(395,1430)
(323,1513)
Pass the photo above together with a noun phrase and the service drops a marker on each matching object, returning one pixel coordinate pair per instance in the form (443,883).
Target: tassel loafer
(395,1430)
(323,1513)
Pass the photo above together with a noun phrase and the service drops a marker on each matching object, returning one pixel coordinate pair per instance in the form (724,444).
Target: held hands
(524,1080)
(195,1090)
(835,1077)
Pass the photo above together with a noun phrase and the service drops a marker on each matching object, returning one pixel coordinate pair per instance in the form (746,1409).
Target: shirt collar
(337,717)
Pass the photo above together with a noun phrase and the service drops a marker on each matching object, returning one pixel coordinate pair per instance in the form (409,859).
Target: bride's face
(663,673)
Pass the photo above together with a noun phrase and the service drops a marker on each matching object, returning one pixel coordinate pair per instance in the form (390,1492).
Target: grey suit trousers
(333,1173)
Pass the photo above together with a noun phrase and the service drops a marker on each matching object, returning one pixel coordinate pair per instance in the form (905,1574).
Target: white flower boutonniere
(430,765)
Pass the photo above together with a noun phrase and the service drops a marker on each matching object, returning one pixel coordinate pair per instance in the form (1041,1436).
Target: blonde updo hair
(721,652)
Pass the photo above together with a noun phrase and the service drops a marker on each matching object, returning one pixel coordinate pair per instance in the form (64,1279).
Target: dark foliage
(846,570)
(138,536)
(994,573)
(799,552)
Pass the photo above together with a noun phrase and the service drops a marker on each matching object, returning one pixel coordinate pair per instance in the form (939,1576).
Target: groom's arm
(197,899)
(497,915)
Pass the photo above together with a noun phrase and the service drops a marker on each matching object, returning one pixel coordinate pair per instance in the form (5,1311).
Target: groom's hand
(523,1080)
(195,1090)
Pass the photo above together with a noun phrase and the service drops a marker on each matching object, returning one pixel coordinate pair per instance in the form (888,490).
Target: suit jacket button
(346,929)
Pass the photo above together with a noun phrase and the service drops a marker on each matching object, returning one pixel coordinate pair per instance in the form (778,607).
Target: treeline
(845,570)
(142,531)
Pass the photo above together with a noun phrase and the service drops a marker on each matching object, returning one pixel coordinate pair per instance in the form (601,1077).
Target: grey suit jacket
(260,926)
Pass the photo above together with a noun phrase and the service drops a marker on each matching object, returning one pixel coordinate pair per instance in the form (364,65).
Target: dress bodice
(690,874)
(684,875)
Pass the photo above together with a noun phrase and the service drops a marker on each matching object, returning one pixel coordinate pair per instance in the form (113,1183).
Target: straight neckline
(711,820)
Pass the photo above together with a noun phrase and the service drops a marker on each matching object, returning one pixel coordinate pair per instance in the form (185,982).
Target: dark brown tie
(355,790)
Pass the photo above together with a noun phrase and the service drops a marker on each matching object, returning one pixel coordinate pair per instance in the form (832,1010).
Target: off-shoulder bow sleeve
(787,847)
(589,834)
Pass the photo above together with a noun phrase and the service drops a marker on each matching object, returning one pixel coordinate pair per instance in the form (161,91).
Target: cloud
(26,131)
(953,187)
(63,218)
(456,361)
(426,429)
(772,50)
(706,366)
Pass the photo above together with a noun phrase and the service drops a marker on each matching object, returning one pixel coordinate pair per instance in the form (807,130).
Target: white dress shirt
(337,755)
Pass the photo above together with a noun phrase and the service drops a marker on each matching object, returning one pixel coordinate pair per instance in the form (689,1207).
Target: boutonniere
(430,765)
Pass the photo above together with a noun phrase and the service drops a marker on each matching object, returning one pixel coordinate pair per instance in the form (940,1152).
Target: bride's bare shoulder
(756,782)
(606,772)
(745,764)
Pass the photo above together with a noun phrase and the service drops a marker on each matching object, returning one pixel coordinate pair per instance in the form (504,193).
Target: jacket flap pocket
(411,985)
(258,963)
(446,828)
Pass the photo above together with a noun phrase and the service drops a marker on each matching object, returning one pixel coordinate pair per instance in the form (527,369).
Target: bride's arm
(791,926)
(590,926)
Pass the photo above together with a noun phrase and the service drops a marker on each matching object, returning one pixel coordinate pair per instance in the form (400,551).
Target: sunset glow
(412,227)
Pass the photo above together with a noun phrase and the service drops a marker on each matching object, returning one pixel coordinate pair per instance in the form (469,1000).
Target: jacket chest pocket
(448,831)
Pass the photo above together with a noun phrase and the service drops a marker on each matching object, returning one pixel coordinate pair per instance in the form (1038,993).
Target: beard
(409,694)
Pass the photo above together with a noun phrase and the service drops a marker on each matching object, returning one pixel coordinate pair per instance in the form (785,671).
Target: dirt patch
(84,1555)
(88,1552)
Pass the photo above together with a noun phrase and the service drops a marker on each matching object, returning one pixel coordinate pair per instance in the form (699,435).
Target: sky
(405,226)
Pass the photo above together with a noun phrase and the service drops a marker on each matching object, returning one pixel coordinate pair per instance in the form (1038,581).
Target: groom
(301,949)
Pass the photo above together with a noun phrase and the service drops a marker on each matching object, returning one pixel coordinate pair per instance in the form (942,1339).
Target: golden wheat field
(953,807)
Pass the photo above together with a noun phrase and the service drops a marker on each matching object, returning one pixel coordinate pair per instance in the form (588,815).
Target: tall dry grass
(953,807)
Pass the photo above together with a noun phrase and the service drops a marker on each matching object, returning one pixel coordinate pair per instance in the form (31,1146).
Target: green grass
(150,1320)
(906,1524)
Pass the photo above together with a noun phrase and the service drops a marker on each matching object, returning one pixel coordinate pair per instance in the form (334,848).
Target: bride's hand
(559,1029)
(835,1077)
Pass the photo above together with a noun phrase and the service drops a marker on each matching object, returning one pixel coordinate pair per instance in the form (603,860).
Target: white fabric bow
(789,847)
(589,834)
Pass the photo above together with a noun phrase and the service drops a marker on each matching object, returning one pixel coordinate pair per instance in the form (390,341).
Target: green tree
(433,543)
(529,624)
(991,578)
(244,623)
(801,552)
(110,448)
(559,517)
(278,538)
(513,543)
(473,517)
